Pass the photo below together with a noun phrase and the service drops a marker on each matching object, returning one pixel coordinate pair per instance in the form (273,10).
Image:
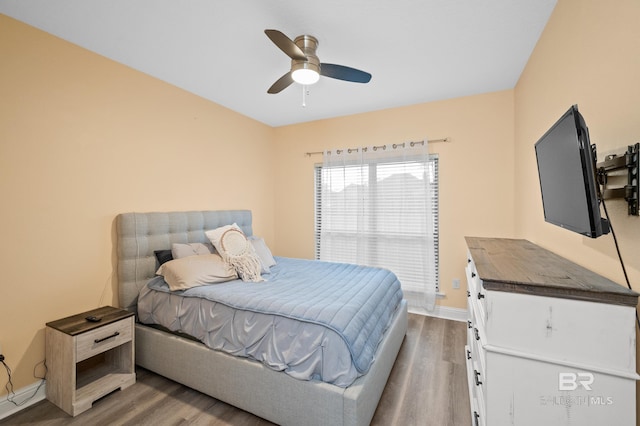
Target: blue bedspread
(356,302)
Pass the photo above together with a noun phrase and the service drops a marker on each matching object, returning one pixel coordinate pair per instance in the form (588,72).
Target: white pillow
(178,250)
(214,235)
(235,249)
(193,271)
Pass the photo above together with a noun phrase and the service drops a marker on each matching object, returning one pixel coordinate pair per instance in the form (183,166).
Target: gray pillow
(263,252)
(192,249)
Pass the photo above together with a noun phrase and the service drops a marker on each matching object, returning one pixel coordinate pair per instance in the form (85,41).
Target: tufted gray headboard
(140,234)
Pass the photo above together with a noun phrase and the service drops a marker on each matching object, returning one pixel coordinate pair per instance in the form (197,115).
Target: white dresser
(549,343)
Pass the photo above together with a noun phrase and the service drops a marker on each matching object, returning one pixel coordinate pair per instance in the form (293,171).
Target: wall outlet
(456,283)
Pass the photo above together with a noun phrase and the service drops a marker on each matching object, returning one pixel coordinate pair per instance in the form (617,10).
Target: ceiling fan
(306,68)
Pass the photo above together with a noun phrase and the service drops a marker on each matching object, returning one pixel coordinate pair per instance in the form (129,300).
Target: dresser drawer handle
(469,324)
(476,416)
(473,275)
(477,374)
(475,330)
(107,338)
(468,293)
(468,260)
(480,295)
(468,354)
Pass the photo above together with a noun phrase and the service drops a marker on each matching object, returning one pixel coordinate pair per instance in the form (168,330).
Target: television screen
(566,168)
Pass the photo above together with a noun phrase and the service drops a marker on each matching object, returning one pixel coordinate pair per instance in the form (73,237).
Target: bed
(239,381)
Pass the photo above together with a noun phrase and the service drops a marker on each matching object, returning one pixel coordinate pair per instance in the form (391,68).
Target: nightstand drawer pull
(468,354)
(476,416)
(469,324)
(475,330)
(473,275)
(480,295)
(107,338)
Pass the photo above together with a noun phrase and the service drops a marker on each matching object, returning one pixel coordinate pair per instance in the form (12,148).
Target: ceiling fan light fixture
(305,76)
(306,68)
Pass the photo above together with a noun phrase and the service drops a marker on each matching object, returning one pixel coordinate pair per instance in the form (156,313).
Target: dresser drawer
(476,293)
(477,383)
(479,297)
(478,353)
(479,414)
(104,338)
(476,392)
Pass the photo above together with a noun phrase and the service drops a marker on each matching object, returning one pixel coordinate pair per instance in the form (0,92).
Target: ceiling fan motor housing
(308,45)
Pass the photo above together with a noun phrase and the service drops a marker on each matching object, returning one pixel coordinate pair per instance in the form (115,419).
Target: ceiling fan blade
(282,83)
(341,72)
(286,45)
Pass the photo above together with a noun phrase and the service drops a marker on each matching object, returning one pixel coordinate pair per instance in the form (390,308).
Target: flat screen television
(567,172)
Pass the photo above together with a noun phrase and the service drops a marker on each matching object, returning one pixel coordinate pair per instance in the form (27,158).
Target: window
(373,213)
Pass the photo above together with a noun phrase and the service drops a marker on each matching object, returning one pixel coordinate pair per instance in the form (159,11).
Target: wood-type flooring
(427,386)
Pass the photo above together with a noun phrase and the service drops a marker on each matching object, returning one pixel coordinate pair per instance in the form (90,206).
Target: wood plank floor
(427,387)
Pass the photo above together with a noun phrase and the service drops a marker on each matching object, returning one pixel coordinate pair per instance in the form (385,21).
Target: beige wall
(82,139)
(589,54)
(476,172)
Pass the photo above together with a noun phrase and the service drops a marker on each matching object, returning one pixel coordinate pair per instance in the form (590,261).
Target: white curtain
(376,209)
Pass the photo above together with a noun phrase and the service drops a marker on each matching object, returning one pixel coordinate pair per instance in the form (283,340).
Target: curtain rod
(309,154)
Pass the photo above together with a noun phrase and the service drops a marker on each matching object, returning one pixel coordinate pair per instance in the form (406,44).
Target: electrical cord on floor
(615,241)
(9,386)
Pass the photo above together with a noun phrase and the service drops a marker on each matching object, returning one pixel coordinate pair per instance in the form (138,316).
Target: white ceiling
(417,50)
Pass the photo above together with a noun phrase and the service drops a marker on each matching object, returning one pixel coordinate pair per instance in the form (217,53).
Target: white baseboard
(444,312)
(21,397)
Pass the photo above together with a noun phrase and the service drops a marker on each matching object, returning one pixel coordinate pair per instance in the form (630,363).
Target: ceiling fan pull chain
(305,92)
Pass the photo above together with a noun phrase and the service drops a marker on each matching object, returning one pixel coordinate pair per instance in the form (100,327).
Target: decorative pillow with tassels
(237,251)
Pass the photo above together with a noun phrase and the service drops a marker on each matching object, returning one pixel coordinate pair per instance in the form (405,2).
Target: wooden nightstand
(88,360)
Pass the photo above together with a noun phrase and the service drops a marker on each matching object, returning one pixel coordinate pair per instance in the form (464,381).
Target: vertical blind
(373,213)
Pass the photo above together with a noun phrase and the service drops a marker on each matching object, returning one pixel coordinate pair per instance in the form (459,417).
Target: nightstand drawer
(97,341)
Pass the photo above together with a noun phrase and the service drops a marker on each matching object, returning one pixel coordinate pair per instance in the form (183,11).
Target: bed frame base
(273,395)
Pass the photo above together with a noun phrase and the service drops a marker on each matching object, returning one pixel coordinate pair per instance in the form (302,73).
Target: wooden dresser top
(519,266)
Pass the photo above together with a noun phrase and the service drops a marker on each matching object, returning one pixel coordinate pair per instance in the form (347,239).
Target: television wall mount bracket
(614,164)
